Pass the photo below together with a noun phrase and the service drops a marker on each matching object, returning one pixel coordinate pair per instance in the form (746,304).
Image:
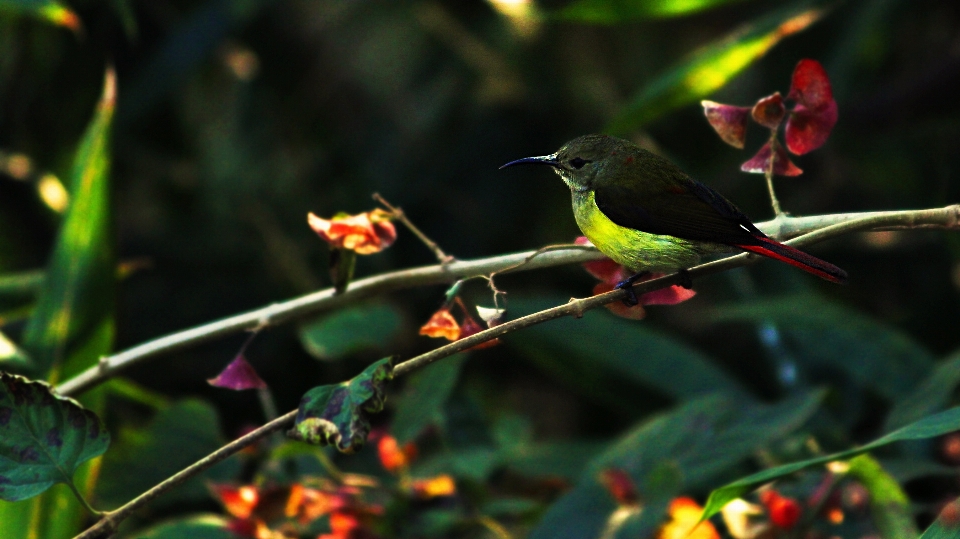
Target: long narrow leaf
(928,427)
(78,292)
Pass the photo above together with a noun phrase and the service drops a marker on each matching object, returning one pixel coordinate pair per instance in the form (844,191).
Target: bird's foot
(627,284)
(685,280)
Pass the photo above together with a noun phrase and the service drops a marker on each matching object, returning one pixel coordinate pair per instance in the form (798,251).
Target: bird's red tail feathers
(797,258)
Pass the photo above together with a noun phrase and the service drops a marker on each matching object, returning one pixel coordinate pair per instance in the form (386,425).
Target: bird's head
(580,161)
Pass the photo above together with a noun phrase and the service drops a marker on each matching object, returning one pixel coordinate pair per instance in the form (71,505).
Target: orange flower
(364,234)
(434,487)
(392,456)
(684,514)
(442,324)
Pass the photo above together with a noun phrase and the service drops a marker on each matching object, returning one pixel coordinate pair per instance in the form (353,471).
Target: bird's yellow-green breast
(638,251)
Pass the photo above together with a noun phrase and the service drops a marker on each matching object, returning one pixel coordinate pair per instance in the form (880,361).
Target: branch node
(577,306)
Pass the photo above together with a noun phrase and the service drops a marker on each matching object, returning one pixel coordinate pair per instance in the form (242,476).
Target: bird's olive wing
(688,210)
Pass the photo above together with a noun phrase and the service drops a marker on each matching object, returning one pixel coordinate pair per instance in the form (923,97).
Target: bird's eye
(577,163)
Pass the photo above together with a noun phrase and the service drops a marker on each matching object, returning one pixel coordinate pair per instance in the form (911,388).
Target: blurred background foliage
(237,117)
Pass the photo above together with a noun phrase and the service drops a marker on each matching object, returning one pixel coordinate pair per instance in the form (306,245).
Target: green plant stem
(83,501)
(111,519)
(948,217)
(279,313)
(768,173)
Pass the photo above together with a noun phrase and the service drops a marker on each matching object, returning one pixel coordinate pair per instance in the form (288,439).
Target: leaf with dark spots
(340,414)
(43,437)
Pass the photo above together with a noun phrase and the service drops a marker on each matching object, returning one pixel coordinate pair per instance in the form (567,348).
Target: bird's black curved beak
(541,160)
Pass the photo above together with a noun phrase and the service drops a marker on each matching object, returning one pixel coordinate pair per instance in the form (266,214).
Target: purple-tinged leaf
(238,375)
(729,121)
(760,163)
(769,111)
(43,437)
(808,129)
(340,414)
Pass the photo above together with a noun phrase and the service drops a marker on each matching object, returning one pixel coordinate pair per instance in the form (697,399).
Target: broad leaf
(78,292)
(710,69)
(827,334)
(421,403)
(339,414)
(616,11)
(928,427)
(353,329)
(43,437)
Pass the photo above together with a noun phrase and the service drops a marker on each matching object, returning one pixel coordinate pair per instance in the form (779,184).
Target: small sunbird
(645,213)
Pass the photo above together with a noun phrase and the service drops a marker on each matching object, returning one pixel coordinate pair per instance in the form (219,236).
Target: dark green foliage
(43,437)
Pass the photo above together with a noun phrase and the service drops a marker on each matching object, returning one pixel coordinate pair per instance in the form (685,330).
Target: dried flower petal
(441,324)
(471,327)
(769,111)
(808,129)
(365,233)
(492,316)
(684,515)
(728,121)
(238,375)
(810,85)
(782,166)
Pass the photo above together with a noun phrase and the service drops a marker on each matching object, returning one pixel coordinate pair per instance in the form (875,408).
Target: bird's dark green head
(583,160)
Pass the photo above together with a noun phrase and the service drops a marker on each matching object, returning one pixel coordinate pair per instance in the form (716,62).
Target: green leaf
(927,427)
(889,505)
(19,289)
(351,330)
(712,67)
(43,437)
(615,11)
(49,10)
(78,293)
(194,527)
(677,451)
(599,350)
(339,414)
(422,401)
(929,396)
(947,525)
(821,332)
(141,457)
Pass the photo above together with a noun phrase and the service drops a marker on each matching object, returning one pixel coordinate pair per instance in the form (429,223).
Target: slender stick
(112,519)
(768,173)
(442,257)
(279,313)
(948,217)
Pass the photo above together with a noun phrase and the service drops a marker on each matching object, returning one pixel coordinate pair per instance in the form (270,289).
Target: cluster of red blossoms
(286,511)
(808,125)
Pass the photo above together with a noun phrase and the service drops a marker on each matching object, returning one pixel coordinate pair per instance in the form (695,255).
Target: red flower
(620,486)
(238,375)
(610,274)
(392,456)
(366,233)
(784,512)
(808,125)
(442,324)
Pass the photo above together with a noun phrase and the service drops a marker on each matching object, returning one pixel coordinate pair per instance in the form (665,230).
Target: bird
(647,214)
